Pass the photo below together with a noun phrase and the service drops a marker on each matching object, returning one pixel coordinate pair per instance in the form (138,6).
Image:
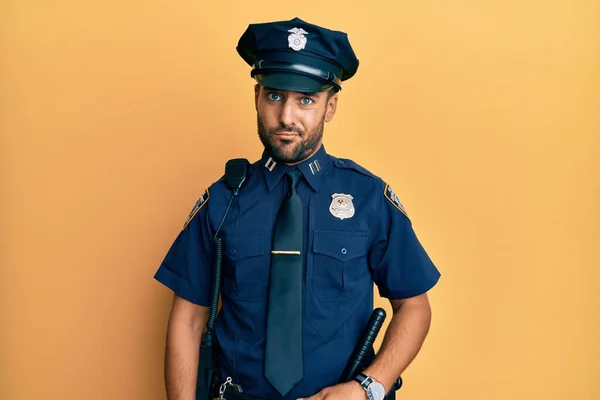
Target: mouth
(286,135)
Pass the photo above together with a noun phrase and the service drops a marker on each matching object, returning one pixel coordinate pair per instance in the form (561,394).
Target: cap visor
(292,82)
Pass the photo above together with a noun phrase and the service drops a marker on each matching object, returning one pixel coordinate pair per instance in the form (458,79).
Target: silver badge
(341,206)
(297,40)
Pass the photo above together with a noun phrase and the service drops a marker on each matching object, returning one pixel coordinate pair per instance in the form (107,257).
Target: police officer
(303,242)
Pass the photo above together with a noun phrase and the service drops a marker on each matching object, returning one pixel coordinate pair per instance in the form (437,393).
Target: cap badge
(341,206)
(297,40)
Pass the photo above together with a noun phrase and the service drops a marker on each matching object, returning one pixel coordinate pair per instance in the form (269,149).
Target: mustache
(284,128)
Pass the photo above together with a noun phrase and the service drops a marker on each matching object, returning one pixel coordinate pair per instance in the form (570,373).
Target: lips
(286,135)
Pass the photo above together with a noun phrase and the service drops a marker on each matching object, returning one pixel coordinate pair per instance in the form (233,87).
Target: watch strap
(364,380)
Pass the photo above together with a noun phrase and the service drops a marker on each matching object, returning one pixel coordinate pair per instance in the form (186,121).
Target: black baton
(364,345)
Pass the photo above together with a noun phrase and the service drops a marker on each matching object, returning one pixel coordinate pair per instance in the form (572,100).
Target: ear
(331,107)
(256,93)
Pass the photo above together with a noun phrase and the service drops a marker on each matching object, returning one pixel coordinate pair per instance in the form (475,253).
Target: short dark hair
(331,91)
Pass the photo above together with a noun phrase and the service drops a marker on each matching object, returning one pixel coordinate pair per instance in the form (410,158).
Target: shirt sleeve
(400,266)
(187,267)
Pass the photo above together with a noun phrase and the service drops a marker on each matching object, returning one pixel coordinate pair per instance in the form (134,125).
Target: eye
(274,96)
(306,101)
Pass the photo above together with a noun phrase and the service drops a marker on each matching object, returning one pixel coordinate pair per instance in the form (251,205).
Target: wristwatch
(374,389)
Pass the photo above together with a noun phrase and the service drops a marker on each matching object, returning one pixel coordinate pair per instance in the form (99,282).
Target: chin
(284,156)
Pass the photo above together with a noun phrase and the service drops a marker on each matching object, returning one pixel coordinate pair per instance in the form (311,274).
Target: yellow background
(482,115)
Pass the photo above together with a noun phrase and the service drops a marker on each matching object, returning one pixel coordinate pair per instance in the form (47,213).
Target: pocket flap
(246,245)
(343,246)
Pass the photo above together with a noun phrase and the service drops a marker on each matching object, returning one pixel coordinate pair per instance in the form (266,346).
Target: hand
(343,391)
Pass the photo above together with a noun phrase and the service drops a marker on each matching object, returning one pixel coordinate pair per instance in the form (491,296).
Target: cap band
(266,67)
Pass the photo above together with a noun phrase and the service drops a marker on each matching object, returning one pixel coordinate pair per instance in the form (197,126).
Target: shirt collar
(312,169)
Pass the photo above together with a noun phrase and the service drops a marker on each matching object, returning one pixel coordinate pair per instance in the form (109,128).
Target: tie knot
(295,176)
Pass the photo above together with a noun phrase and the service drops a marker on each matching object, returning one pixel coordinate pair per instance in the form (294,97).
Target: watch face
(376,391)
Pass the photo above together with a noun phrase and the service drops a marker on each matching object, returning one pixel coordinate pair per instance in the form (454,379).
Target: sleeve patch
(391,196)
(199,204)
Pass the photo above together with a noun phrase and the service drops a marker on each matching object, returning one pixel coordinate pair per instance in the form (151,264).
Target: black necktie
(283,353)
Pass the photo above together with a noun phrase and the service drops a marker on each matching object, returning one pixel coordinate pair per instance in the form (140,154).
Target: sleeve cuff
(181,287)
(405,294)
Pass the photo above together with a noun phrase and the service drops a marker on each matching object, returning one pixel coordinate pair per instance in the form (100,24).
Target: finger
(318,396)
(315,397)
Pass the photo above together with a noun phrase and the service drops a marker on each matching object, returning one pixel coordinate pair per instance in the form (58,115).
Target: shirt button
(344,251)
(232,251)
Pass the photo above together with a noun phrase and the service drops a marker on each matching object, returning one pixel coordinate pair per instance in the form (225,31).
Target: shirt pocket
(339,264)
(245,275)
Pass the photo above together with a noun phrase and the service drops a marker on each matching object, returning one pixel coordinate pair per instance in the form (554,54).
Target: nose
(287,116)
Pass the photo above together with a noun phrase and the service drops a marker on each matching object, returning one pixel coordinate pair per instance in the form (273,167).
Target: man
(303,242)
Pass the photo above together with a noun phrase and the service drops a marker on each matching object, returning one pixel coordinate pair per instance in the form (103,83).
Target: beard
(290,151)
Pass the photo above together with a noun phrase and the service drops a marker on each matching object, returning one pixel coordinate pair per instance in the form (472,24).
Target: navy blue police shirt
(356,233)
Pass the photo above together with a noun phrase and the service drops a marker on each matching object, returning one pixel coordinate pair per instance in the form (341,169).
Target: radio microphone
(236,171)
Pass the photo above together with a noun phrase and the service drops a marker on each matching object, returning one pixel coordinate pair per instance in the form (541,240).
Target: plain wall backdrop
(482,115)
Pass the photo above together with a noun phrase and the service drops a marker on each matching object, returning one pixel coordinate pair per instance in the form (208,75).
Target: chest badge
(341,206)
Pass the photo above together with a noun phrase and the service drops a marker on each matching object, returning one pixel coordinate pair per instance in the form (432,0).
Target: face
(290,124)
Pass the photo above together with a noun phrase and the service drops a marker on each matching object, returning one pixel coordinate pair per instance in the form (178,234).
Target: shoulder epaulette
(349,164)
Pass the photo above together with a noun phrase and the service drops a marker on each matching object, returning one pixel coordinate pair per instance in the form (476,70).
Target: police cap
(297,56)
